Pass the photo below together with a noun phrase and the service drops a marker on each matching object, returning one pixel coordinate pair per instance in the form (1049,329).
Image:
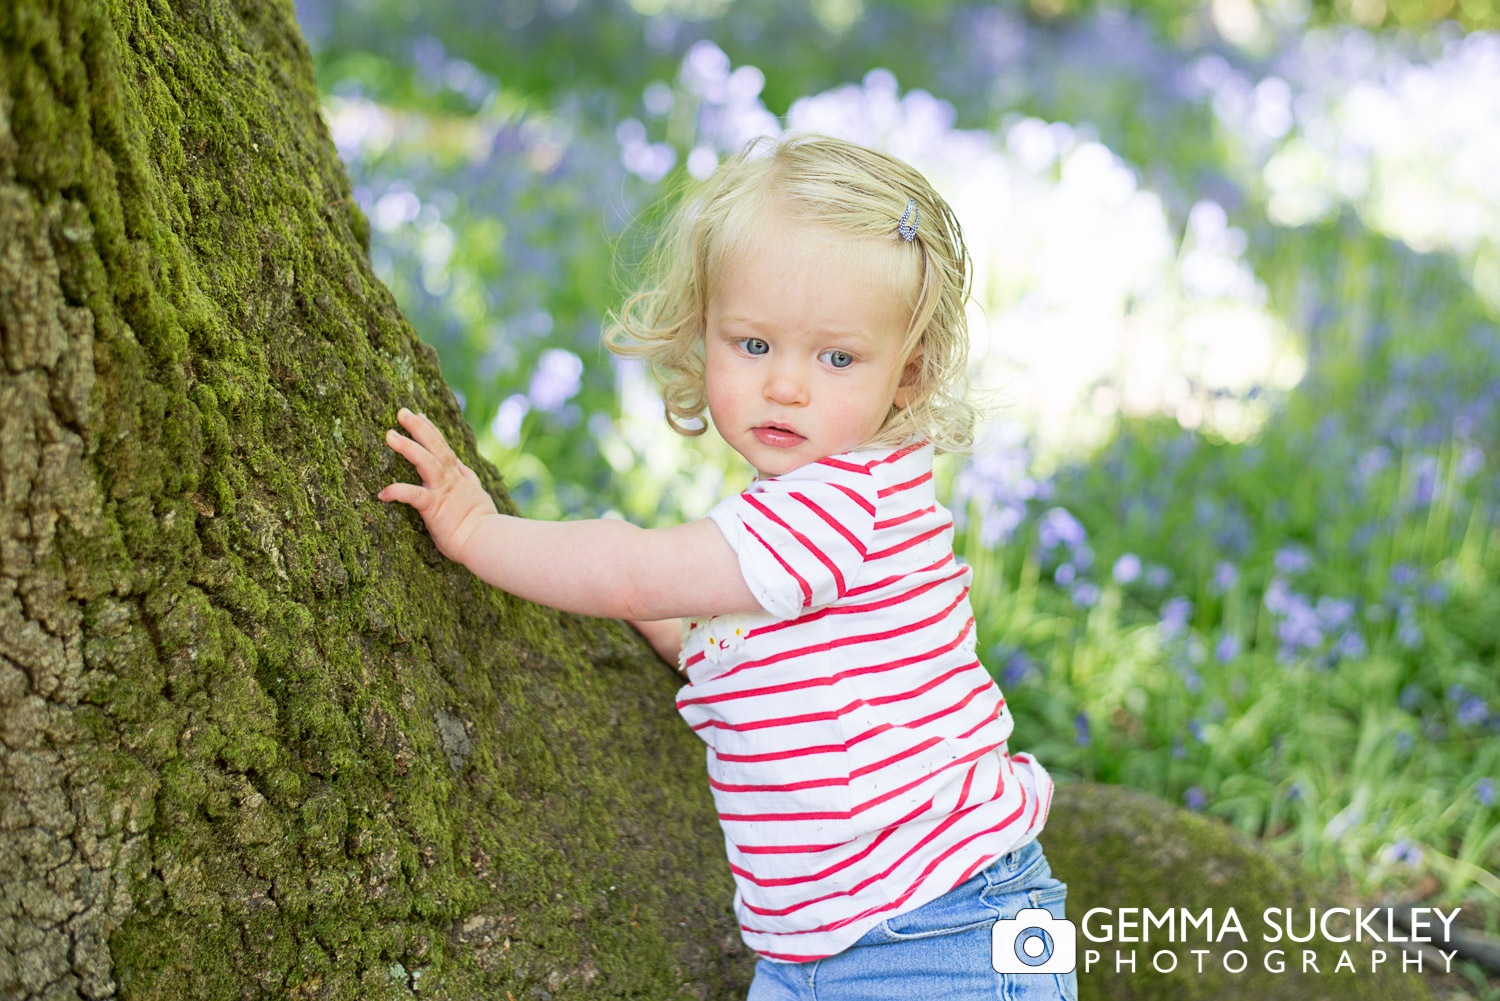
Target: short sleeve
(801,538)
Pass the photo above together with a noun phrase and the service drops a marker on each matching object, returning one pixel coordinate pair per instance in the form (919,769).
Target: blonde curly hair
(837,186)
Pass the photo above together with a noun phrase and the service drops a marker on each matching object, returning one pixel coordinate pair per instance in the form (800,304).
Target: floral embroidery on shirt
(724,633)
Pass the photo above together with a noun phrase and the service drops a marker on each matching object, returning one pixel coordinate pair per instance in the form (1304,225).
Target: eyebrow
(744,321)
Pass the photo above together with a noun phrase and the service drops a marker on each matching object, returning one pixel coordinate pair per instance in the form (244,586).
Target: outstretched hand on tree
(450,499)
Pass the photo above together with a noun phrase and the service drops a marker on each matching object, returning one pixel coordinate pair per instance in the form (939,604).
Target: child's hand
(450,499)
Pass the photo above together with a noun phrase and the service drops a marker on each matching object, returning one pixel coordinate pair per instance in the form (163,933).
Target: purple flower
(1057,526)
(1404,742)
(1064,574)
(1472,712)
(506,427)
(1424,481)
(1350,646)
(1195,727)
(1127,568)
(557,379)
(1175,615)
(1334,612)
(1405,851)
(1081,726)
(1017,668)
(1195,799)
(1484,791)
(1292,559)
(1158,577)
(1408,633)
(1085,594)
(1228,648)
(1226,576)
(1179,749)
(1295,791)
(1410,697)
(1469,463)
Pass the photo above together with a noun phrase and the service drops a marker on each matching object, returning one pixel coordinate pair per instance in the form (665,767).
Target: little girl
(810,296)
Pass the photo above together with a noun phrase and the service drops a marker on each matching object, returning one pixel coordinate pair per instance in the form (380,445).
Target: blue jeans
(941,950)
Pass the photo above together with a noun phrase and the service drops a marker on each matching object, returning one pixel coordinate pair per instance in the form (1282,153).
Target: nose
(786,384)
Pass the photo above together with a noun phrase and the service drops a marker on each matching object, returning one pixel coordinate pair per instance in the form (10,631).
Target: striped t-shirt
(856,745)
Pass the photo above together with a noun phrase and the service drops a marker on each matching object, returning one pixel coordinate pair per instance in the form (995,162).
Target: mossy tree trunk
(258,737)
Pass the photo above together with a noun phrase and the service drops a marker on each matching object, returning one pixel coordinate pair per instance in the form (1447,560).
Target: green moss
(246,606)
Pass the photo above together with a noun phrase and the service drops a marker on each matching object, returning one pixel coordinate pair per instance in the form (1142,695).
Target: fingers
(406,493)
(426,432)
(427,467)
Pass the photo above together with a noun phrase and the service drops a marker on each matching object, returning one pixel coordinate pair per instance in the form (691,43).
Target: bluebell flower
(1472,712)
(1195,799)
(1158,577)
(1083,556)
(1175,615)
(1404,742)
(1227,649)
(1295,791)
(1064,574)
(1469,462)
(1226,576)
(1334,612)
(1410,697)
(1403,852)
(1351,645)
(506,426)
(1424,480)
(1081,726)
(1057,526)
(557,379)
(1292,559)
(1195,727)
(1085,594)
(1484,791)
(1017,668)
(1127,568)
(1179,749)
(1408,633)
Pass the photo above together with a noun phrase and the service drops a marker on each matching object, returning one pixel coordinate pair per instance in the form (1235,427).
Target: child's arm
(599,567)
(664,635)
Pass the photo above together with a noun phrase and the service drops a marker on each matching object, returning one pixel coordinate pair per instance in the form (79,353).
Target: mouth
(777,434)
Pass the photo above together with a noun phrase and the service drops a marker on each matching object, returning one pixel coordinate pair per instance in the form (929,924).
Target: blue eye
(838,359)
(754,345)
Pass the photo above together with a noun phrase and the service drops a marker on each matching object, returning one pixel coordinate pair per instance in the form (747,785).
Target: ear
(909,378)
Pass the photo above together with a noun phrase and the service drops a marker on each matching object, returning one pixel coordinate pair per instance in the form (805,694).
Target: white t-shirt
(856,745)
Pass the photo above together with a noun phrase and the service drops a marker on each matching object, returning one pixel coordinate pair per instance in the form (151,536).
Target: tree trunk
(259,737)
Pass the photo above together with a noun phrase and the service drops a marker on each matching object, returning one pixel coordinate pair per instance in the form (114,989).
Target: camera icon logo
(1034,942)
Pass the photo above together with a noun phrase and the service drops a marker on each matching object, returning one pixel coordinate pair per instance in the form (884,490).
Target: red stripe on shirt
(833,523)
(908,516)
(856,497)
(915,540)
(806,544)
(806,590)
(897,488)
(848,467)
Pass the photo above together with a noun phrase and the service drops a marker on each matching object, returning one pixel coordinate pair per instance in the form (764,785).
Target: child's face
(802,353)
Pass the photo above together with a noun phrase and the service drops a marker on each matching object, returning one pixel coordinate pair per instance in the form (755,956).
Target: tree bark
(259,738)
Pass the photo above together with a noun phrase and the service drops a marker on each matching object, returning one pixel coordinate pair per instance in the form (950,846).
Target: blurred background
(1233,516)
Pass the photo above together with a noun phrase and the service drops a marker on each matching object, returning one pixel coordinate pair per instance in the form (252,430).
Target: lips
(777,435)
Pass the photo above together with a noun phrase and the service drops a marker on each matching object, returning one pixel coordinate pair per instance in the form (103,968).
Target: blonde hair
(839,187)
